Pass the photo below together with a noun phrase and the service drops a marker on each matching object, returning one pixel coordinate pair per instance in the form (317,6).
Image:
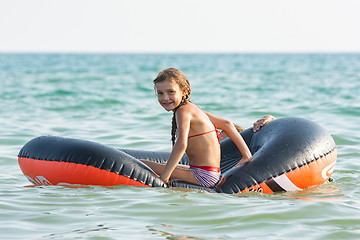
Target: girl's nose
(166,97)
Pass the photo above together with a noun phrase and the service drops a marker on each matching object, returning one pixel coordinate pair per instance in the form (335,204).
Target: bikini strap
(218,134)
(202,133)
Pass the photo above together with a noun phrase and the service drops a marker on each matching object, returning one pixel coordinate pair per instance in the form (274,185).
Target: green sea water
(109,98)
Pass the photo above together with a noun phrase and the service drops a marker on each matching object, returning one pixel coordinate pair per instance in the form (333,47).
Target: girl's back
(203,147)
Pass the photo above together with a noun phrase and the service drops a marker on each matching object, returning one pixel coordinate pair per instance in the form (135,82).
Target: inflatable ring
(288,154)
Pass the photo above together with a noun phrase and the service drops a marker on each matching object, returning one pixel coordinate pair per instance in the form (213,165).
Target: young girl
(194,131)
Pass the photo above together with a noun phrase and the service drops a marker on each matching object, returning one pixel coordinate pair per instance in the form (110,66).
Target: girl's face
(169,94)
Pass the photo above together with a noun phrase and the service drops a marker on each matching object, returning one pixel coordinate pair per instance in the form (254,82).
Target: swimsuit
(207,176)
(218,134)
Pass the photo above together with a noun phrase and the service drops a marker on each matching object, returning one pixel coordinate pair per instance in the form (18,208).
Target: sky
(172,26)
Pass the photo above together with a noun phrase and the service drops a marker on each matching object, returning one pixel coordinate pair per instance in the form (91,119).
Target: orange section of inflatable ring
(43,172)
(312,174)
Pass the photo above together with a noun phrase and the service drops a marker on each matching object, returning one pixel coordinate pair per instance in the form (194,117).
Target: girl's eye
(171,92)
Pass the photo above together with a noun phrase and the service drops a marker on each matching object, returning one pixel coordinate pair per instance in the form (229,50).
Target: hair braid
(184,101)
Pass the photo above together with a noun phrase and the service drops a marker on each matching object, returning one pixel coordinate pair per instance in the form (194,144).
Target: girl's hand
(262,121)
(244,161)
(167,181)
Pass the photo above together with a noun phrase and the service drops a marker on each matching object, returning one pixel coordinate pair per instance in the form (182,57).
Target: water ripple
(109,98)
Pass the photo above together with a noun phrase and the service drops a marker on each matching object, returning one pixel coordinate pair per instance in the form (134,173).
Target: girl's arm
(238,128)
(183,126)
(230,130)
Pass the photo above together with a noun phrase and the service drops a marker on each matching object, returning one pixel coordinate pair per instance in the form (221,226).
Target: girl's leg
(181,172)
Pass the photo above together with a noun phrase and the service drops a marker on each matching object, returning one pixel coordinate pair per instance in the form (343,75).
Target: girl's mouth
(168,103)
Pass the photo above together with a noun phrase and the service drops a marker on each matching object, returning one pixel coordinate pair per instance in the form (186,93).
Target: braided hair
(173,74)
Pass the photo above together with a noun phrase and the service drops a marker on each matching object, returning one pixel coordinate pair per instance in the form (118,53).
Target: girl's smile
(169,94)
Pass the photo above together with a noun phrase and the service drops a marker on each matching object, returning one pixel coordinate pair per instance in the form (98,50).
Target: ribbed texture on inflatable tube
(289,154)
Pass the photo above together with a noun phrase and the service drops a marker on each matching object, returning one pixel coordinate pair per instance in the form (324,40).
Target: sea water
(109,98)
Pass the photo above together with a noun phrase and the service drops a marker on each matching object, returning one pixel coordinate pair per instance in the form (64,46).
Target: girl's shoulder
(189,109)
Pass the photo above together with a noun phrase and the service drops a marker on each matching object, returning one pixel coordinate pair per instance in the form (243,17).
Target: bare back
(202,150)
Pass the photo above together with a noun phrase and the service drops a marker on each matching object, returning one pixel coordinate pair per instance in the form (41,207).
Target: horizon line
(179,52)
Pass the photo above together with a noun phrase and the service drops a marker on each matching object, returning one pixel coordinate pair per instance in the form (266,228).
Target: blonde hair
(173,74)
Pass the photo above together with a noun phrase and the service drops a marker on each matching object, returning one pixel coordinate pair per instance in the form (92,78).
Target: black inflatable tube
(282,146)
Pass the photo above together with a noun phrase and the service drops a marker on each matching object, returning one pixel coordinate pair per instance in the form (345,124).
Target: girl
(193,132)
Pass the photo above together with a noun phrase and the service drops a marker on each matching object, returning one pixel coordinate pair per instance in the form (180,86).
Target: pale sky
(179,26)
